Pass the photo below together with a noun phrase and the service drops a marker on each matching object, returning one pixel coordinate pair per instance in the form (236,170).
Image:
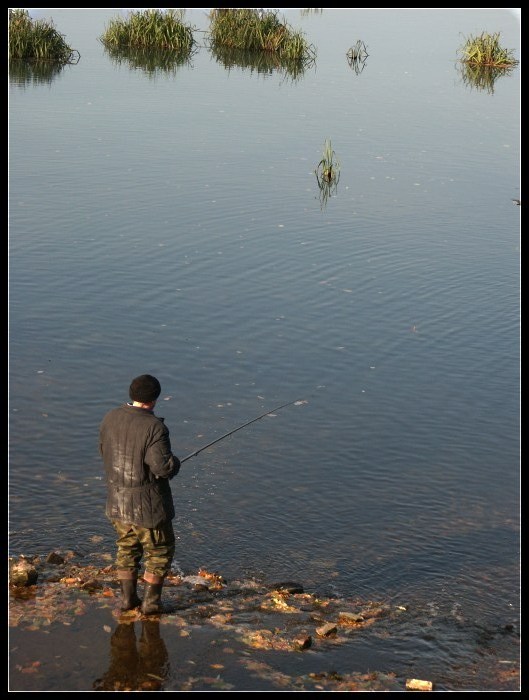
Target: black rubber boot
(129,595)
(152,604)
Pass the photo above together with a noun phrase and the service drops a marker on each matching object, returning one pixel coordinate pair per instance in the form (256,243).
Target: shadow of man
(135,664)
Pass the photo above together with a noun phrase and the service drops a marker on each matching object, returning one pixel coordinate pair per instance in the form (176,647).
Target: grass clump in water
(328,169)
(485,50)
(150,29)
(250,29)
(356,56)
(37,40)
(327,174)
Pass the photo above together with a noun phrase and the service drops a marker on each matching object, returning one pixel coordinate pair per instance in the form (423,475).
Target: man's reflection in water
(135,664)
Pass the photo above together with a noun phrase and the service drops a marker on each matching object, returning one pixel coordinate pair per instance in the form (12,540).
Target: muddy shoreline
(67,633)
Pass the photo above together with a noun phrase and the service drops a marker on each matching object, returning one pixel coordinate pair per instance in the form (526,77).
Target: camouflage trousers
(155,546)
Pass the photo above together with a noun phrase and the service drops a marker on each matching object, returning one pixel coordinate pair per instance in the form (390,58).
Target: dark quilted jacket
(136,452)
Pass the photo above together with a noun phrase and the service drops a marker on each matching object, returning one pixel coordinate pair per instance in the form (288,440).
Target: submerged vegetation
(150,29)
(37,40)
(251,29)
(485,50)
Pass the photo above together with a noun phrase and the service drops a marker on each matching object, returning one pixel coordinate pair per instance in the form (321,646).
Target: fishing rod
(193,454)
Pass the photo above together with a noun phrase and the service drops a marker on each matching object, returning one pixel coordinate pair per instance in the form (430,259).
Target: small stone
(54,558)
(416,684)
(326,630)
(22,573)
(348,618)
(303,642)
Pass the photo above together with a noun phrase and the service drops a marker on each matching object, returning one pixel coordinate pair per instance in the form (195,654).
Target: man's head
(145,389)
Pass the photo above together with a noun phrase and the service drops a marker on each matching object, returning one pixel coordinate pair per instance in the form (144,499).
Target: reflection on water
(34,72)
(262,62)
(135,664)
(357,57)
(304,11)
(482,77)
(327,188)
(149,60)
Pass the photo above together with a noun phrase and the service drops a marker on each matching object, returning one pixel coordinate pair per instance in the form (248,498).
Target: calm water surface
(171,222)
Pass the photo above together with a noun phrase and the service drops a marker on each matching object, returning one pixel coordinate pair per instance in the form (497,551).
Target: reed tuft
(150,29)
(328,169)
(252,29)
(327,174)
(485,50)
(37,40)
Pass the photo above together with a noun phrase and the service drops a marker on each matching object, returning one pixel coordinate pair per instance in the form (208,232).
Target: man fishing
(136,451)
